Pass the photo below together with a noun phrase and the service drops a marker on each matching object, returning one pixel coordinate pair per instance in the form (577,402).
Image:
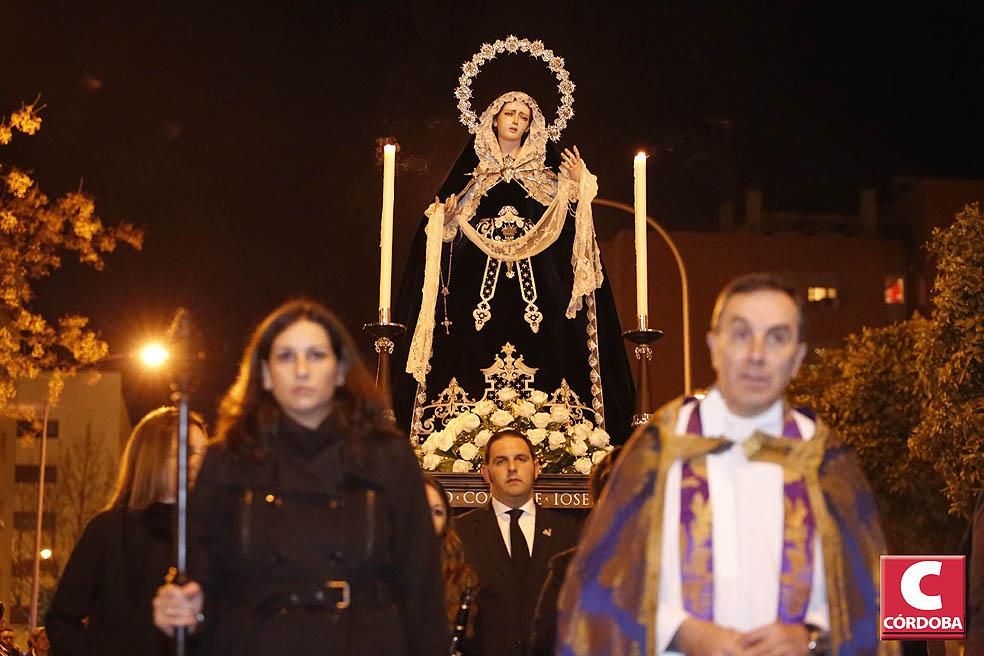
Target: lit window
(821,294)
(894,290)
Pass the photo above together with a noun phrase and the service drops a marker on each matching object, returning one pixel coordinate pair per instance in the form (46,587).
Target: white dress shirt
(527,522)
(747,517)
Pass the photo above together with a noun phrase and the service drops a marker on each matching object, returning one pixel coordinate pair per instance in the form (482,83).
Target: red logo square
(922,597)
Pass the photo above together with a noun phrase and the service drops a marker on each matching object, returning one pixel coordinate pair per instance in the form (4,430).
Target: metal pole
(181,338)
(181,529)
(684,287)
(36,580)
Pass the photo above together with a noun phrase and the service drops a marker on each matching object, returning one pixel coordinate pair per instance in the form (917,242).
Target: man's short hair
(757,282)
(506,432)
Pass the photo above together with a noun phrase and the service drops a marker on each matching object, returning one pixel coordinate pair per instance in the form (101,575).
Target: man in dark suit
(509,543)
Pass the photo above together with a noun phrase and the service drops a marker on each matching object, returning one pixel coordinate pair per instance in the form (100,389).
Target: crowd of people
(731,524)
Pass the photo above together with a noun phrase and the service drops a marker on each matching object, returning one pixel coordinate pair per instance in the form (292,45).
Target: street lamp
(684,289)
(154,355)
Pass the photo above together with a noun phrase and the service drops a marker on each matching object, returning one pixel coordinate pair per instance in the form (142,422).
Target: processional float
(448,429)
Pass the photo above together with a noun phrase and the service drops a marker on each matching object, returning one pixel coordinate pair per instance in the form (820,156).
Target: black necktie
(518,547)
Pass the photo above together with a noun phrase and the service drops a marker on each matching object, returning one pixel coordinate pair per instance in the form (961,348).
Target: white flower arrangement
(563,442)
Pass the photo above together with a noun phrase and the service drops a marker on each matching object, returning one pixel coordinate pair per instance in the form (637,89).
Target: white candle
(642,287)
(386,229)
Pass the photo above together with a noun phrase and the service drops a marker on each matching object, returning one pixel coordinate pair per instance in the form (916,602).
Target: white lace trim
(418,358)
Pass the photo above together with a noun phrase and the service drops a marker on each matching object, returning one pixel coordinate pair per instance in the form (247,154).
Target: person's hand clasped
(571,164)
(776,640)
(699,638)
(176,606)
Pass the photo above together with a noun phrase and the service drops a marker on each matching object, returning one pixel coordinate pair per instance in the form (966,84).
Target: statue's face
(512,121)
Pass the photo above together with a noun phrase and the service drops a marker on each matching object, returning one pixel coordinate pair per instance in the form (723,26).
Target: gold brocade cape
(608,602)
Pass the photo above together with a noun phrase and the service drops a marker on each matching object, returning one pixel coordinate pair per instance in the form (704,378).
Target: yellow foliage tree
(36,233)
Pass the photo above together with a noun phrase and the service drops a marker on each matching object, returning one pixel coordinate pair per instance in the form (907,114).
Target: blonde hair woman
(102,604)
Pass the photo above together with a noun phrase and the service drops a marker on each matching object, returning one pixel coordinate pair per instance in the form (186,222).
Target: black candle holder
(643,336)
(384,335)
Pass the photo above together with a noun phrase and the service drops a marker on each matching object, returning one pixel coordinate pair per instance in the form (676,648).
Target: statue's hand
(572,164)
(450,207)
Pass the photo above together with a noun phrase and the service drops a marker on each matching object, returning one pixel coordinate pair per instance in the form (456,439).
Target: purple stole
(696,553)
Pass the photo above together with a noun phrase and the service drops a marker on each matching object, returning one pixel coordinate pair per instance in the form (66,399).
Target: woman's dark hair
(455,572)
(249,415)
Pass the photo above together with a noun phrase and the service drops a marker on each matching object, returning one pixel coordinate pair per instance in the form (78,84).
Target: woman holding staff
(309,524)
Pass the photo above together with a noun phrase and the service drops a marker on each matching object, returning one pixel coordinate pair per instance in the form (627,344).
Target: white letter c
(911,579)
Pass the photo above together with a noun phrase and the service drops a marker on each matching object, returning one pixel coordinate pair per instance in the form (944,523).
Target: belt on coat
(334,594)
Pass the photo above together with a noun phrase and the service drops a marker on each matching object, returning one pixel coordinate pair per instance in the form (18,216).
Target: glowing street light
(154,355)
(45,553)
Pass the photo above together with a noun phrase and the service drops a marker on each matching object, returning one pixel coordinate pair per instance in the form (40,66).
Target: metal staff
(181,337)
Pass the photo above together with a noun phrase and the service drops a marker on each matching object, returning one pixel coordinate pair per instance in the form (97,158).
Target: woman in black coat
(103,601)
(310,528)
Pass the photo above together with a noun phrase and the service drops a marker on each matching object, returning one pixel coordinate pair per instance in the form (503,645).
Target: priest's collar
(718,419)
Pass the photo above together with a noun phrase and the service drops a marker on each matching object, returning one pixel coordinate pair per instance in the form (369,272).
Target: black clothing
(504,620)
(973,548)
(545,619)
(558,350)
(324,519)
(518,549)
(111,578)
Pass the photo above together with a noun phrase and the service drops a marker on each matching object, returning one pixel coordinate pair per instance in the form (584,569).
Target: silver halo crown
(512,45)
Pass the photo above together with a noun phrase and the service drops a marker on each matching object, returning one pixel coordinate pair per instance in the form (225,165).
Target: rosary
(446,290)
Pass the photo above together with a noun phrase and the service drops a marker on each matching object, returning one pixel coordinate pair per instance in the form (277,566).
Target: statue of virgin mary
(507,253)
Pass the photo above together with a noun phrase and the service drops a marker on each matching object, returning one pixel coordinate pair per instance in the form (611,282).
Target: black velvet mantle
(559,350)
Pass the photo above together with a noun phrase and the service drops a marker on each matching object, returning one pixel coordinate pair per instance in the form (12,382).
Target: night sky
(243,137)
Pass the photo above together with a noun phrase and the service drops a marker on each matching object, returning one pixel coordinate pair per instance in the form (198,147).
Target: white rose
(536,435)
(462,466)
(453,426)
(431,461)
(524,409)
(559,414)
(579,447)
(482,438)
(540,419)
(582,431)
(582,465)
(501,418)
(506,394)
(468,451)
(445,441)
(470,421)
(484,407)
(598,456)
(599,437)
(557,439)
(538,397)
(430,444)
